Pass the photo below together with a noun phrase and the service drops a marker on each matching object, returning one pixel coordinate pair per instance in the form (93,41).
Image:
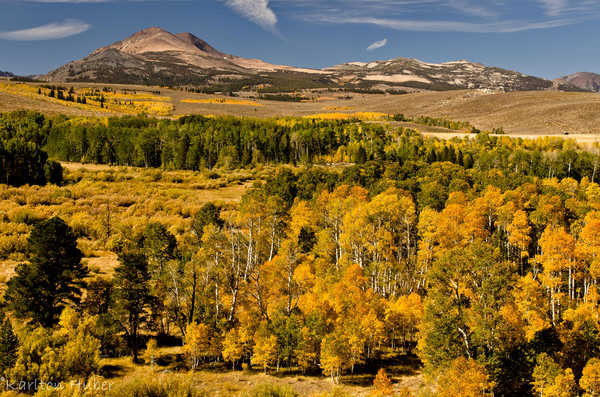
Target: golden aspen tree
(334,356)
(588,249)
(489,203)
(590,379)
(519,236)
(333,206)
(402,318)
(233,347)
(265,349)
(544,373)
(197,343)
(531,303)
(307,351)
(564,385)
(557,259)
(427,230)
(464,378)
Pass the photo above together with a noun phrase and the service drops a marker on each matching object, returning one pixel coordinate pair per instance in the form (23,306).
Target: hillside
(444,76)
(519,113)
(6,74)
(583,81)
(154,56)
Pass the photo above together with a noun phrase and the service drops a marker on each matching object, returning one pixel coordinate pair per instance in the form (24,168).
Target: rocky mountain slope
(583,81)
(449,75)
(155,56)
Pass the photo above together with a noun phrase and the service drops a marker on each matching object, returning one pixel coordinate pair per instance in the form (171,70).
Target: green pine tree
(132,297)
(52,278)
(9,344)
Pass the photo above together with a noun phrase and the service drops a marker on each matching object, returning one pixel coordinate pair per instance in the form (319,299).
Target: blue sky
(546,38)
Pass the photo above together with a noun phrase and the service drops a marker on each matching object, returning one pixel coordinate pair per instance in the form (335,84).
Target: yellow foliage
(128,103)
(363,116)
(223,101)
(464,378)
(197,343)
(590,379)
(265,349)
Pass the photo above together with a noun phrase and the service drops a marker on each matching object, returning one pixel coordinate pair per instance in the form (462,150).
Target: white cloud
(453,26)
(474,16)
(468,8)
(554,7)
(376,45)
(56,30)
(257,11)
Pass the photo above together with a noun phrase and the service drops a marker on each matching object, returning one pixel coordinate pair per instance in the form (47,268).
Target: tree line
(23,159)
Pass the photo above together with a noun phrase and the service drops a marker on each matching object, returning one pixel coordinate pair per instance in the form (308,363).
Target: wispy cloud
(474,16)
(554,7)
(467,7)
(376,45)
(453,26)
(56,30)
(257,11)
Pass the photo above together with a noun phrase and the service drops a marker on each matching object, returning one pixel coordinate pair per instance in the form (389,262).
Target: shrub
(54,172)
(270,390)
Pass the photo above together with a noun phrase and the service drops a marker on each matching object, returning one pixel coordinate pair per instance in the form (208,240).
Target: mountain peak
(582,80)
(150,40)
(199,43)
(152,30)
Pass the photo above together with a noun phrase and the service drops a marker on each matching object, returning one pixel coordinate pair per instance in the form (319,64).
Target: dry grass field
(132,196)
(518,113)
(216,379)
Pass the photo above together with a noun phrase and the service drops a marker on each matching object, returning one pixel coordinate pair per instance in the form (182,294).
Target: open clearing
(131,196)
(218,379)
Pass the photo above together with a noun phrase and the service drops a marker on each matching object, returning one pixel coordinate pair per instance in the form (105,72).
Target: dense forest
(479,256)
(22,158)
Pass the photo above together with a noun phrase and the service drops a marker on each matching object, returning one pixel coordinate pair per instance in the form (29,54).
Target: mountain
(444,76)
(583,81)
(154,56)
(6,74)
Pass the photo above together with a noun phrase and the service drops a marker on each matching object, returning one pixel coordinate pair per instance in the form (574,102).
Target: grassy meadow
(518,113)
(125,197)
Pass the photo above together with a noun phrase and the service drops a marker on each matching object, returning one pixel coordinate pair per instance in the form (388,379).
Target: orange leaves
(301,215)
(382,384)
(588,245)
(557,250)
(590,380)
(464,378)
(222,101)
(449,231)
(363,116)
(531,304)
(519,233)
(403,316)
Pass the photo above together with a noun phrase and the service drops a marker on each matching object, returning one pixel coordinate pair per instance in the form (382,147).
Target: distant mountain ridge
(448,75)
(6,74)
(155,56)
(582,80)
